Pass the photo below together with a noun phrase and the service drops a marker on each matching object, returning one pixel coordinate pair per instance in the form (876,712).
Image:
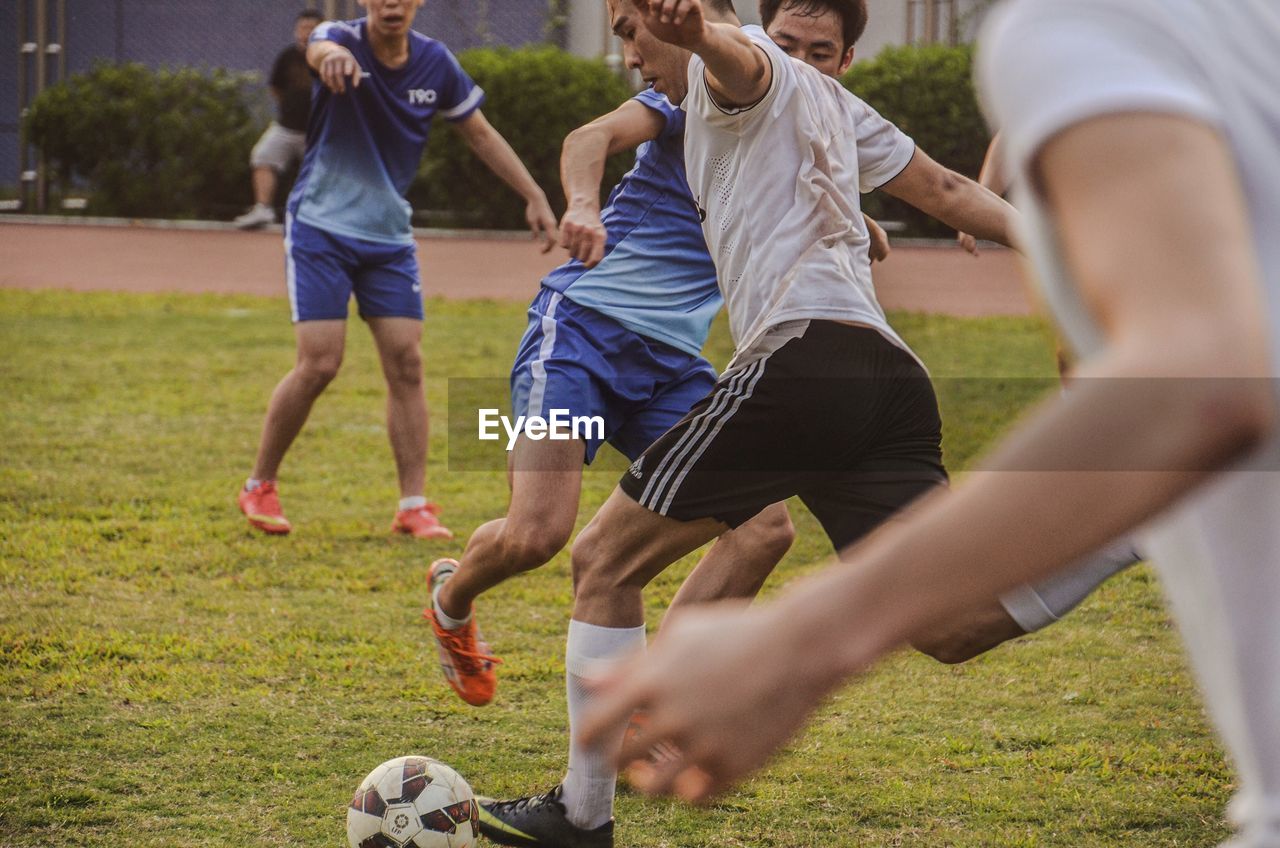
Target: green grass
(169,678)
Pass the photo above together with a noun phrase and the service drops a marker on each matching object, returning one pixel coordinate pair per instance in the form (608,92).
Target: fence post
(26,50)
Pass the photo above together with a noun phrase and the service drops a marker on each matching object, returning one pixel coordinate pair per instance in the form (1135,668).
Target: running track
(213,258)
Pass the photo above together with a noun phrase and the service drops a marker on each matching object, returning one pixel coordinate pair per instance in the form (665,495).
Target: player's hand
(968,242)
(542,222)
(879,248)
(337,65)
(679,22)
(582,233)
(723,686)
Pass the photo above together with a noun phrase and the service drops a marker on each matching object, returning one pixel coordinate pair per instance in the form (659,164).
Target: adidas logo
(634,469)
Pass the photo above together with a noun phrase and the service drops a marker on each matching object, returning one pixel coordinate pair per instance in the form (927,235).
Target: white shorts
(278,148)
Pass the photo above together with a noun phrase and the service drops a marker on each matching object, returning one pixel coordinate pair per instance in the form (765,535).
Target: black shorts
(840,416)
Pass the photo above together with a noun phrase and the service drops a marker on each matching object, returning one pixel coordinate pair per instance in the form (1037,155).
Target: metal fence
(59,37)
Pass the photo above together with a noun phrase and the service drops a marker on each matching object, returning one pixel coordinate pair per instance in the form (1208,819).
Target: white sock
(589,784)
(252,484)
(415,502)
(445,620)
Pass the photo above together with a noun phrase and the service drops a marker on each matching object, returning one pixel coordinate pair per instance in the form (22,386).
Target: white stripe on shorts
(698,436)
(748,389)
(721,394)
(290,271)
(539,370)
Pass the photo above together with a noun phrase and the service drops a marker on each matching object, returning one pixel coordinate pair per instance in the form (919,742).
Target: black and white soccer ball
(413,802)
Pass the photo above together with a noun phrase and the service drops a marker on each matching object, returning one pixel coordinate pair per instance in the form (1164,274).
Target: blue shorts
(323,270)
(576,359)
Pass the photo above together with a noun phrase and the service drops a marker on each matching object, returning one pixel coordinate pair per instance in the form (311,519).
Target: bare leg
(739,561)
(962,638)
(620,551)
(546,482)
(1025,609)
(399,343)
(320,345)
(264,185)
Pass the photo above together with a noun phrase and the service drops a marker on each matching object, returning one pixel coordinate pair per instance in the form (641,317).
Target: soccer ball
(413,802)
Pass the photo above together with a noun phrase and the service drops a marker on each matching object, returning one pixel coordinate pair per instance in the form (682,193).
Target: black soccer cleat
(538,821)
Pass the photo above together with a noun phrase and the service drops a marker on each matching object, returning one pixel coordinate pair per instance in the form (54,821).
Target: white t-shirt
(1045,65)
(778,185)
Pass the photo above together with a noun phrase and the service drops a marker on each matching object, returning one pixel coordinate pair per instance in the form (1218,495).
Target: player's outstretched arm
(953,199)
(991,177)
(582,161)
(1162,252)
(738,72)
(334,64)
(494,151)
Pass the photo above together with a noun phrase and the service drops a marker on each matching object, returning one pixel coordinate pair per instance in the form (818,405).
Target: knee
(404,368)
(966,636)
(770,533)
(593,575)
(946,649)
(525,549)
(317,372)
(776,532)
(585,559)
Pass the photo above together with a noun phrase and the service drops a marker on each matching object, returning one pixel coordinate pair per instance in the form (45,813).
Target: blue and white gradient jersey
(364,146)
(657,278)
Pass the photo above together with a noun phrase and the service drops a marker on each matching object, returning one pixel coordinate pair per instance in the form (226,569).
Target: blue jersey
(364,146)
(657,278)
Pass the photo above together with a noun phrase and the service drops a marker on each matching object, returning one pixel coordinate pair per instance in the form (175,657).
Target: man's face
(661,65)
(302,30)
(816,40)
(391,18)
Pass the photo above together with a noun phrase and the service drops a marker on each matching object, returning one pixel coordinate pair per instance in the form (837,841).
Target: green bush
(154,143)
(534,96)
(928,92)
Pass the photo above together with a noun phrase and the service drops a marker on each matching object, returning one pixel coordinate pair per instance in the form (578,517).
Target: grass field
(168,678)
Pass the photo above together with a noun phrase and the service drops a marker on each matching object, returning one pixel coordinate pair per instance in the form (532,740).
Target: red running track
(140,258)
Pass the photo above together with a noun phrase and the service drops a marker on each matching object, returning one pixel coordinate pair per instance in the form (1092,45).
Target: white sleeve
(883,149)
(1045,66)
(700,102)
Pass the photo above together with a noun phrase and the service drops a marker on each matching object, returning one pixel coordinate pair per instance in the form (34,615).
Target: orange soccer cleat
(262,507)
(421,523)
(465,658)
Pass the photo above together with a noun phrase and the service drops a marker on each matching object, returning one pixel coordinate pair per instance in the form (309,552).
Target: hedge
(175,143)
(928,92)
(153,143)
(535,96)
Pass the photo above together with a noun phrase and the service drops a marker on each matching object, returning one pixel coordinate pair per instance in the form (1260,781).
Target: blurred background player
(1142,136)
(347,230)
(822,399)
(285,140)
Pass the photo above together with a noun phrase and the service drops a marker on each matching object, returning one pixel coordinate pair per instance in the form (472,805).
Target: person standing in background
(285,140)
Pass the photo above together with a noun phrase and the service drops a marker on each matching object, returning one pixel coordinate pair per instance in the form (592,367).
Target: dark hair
(309,15)
(853,14)
(723,6)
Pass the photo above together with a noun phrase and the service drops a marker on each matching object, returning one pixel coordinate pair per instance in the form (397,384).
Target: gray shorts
(278,148)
